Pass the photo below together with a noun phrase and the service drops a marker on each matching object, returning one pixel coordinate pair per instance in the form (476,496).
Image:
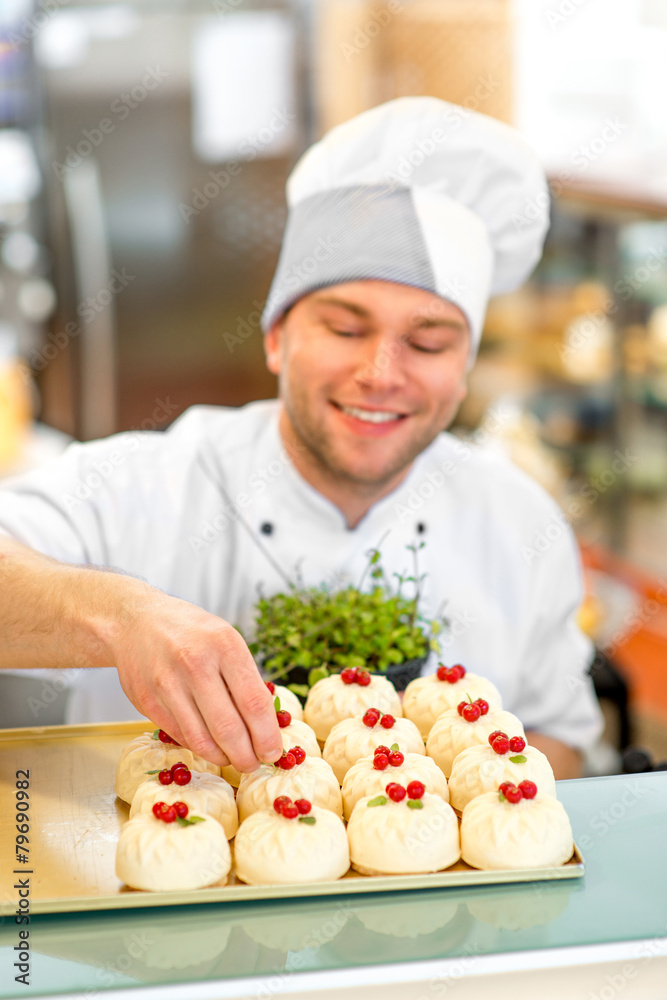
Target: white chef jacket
(212,509)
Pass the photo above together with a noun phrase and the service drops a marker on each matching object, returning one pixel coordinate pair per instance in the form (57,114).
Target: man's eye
(430,348)
(344,333)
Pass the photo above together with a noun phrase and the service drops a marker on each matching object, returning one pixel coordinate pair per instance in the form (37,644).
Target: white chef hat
(420,192)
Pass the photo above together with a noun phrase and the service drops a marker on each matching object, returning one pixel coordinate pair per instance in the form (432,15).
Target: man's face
(369,373)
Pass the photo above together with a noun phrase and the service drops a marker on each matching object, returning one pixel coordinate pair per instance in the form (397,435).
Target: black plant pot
(400,674)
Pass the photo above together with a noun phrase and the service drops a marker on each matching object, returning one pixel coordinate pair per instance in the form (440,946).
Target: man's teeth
(371,416)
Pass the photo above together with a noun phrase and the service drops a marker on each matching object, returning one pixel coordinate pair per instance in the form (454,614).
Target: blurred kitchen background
(144,148)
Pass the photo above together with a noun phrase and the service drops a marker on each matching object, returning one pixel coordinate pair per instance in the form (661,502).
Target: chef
(128,562)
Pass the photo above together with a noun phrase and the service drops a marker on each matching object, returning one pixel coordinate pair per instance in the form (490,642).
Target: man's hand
(188,671)
(193,675)
(565,760)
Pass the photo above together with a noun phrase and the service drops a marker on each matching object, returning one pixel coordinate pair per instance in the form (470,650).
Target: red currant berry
(371,717)
(157,809)
(513,795)
(303,805)
(517,744)
(179,764)
(284,718)
(363,678)
(396,758)
(416,789)
(299,754)
(290,811)
(461,705)
(441,672)
(387,721)
(271,686)
(165,777)
(505,785)
(281,802)
(483,706)
(471,712)
(286,762)
(380,761)
(349,675)
(181,809)
(182,776)
(166,738)
(395,791)
(528,789)
(168,815)
(382,749)
(496,732)
(460,671)
(501,744)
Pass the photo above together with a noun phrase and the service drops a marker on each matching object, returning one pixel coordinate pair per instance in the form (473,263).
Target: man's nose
(382,365)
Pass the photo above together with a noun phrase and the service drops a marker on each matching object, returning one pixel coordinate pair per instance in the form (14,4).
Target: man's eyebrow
(331,300)
(427,322)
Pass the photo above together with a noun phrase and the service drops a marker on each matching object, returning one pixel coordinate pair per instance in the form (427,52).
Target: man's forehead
(368,300)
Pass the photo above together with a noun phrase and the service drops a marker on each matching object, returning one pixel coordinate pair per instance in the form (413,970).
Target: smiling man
(371,325)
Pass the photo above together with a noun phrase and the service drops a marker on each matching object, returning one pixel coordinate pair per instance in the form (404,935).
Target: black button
(266,528)
(421,527)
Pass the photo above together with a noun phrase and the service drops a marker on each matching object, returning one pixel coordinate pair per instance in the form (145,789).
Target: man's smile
(369,422)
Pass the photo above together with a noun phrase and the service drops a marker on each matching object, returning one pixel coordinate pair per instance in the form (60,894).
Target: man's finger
(253,701)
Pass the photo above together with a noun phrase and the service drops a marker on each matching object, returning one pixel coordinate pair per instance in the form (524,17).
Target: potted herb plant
(306,633)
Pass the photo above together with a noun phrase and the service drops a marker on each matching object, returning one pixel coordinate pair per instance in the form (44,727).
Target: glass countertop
(620,825)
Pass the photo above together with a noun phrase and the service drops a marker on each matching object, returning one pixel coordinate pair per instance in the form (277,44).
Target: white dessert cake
(201,792)
(291,842)
(370,775)
(403,831)
(482,769)
(153,751)
(451,733)
(293,733)
(352,739)
(427,697)
(342,696)
(172,853)
(532,832)
(307,778)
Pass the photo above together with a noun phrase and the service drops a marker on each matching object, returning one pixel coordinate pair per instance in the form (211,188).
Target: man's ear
(273,347)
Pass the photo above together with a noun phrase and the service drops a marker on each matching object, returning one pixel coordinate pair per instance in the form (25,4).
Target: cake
(295,775)
(288,700)
(342,696)
(453,732)
(405,830)
(427,697)
(291,842)
(153,751)
(293,733)
(202,793)
(169,849)
(352,739)
(515,827)
(370,775)
(481,769)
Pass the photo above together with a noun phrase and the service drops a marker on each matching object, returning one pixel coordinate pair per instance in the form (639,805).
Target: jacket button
(421,527)
(266,528)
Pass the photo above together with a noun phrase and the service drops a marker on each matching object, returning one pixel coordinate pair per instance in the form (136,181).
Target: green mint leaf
(310,820)
(156,734)
(415,804)
(501,797)
(519,759)
(299,689)
(394,748)
(153,772)
(379,800)
(276,703)
(189,820)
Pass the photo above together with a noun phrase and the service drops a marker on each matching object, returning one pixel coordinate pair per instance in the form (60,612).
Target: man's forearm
(565,760)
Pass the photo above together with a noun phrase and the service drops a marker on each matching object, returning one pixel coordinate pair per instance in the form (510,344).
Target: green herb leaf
(156,734)
(501,797)
(415,804)
(394,748)
(153,772)
(299,689)
(519,759)
(379,800)
(317,674)
(189,820)
(310,820)
(276,703)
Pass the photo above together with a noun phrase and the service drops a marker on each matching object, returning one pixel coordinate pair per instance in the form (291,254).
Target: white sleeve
(556,695)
